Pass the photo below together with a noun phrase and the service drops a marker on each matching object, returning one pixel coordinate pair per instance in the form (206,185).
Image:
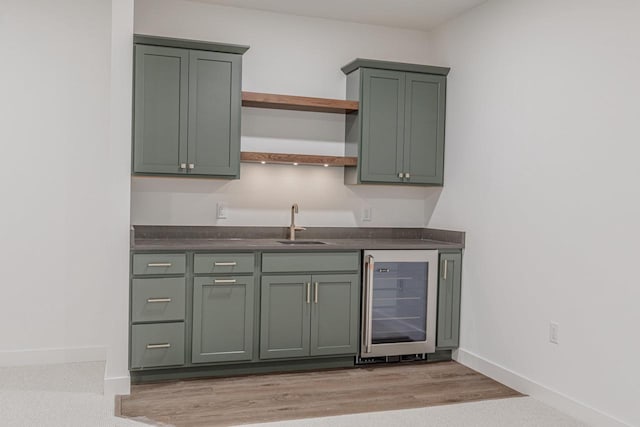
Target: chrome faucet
(293,228)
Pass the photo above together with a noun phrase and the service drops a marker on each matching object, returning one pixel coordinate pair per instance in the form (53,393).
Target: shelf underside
(299,103)
(301,159)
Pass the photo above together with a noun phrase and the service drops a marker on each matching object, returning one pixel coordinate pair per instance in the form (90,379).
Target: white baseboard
(544,394)
(117,385)
(52,356)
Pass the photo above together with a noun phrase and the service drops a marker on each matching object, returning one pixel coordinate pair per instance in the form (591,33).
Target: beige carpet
(64,395)
(511,412)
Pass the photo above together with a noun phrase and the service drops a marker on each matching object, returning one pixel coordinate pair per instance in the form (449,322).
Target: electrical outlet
(221,210)
(366,214)
(554,329)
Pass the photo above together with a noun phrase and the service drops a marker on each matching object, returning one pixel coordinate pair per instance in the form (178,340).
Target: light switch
(366,214)
(221,210)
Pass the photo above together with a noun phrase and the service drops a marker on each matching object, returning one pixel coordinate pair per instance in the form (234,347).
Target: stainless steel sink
(301,242)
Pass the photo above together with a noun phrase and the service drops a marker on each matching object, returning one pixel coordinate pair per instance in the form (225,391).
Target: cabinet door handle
(315,292)
(444,269)
(159,264)
(224,281)
(407,175)
(225,264)
(158,346)
(192,166)
(183,165)
(158,299)
(400,175)
(368,302)
(309,293)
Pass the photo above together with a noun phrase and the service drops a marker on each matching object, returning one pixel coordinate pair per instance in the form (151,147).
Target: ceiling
(410,14)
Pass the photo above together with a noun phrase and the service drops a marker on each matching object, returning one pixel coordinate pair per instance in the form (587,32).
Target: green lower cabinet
(284,316)
(222,319)
(449,284)
(334,314)
(309,315)
(157,299)
(157,344)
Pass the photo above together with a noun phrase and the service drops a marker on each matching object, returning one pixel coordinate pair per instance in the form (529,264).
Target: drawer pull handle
(158,299)
(159,264)
(224,281)
(158,346)
(225,264)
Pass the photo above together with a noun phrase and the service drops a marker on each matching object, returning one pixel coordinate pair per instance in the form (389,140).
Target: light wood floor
(274,397)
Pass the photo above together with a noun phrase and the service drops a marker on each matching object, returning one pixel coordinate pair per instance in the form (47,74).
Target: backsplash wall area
(264,194)
(295,56)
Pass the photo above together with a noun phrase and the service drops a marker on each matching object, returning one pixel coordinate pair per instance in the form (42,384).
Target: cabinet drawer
(223,263)
(309,262)
(159,263)
(156,299)
(160,344)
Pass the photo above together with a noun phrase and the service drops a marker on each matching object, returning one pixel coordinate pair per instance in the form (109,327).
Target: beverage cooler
(399,303)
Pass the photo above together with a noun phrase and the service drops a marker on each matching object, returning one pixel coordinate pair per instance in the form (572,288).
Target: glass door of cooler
(399,302)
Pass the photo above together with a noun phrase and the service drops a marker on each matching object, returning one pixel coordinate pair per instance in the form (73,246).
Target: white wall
(64,200)
(117,292)
(542,172)
(290,55)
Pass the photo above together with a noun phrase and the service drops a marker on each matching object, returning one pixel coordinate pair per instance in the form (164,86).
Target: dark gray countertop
(161,238)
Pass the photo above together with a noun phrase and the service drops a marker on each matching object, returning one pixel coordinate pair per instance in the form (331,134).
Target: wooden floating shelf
(301,159)
(299,103)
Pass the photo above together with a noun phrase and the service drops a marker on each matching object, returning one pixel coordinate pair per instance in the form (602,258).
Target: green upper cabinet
(160,110)
(398,131)
(187,108)
(424,128)
(383,104)
(214,114)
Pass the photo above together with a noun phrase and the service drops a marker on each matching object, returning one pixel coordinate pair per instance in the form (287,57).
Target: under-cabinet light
(326,165)
(295,164)
(263,162)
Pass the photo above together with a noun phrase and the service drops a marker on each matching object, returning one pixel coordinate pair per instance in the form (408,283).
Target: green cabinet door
(285,304)
(334,314)
(382,109)
(160,112)
(222,319)
(214,113)
(424,128)
(449,283)
(398,131)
